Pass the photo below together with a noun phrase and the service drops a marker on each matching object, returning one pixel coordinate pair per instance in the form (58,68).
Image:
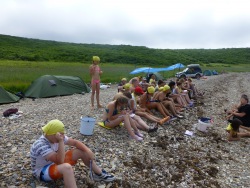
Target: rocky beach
(167,158)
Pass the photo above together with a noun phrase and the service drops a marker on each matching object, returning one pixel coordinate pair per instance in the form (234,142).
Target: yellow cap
(151,89)
(165,88)
(124,79)
(127,86)
(96,58)
(160,88)
(53,127)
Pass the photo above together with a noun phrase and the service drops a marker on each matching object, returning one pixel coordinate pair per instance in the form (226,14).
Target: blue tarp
(142,69)
(151,70)
(172,67)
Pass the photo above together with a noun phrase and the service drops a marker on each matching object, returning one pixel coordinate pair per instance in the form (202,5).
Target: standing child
(95,73)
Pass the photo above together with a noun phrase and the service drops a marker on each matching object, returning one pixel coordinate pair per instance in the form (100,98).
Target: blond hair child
(95,73)
(50,161)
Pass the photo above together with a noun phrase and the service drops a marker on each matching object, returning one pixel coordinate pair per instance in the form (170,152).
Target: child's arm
(132,105)
(176,90)
(76,143)
(229,116)
(142,101)
(239,114)
(142,104)
(91,69)
(81,146)
(57,157)
(110,115)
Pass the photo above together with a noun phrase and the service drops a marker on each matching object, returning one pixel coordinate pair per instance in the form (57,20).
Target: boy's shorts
(50,171)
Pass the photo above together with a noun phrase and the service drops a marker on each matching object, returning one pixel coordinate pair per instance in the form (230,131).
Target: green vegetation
(17,48)
(23,60)
(18,75)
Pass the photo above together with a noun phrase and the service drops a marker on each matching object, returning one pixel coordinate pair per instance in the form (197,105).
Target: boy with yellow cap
(49,161)
(95,73)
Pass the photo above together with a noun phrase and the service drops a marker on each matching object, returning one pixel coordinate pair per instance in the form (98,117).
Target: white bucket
(202,126)
(87,125)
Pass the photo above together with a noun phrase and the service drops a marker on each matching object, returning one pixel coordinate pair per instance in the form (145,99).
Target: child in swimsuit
(116,112)
(147,103)
(95,73)
(233,130)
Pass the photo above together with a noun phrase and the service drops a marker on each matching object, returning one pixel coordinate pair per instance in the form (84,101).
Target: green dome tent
(7,97)
(51,86)
(207,73)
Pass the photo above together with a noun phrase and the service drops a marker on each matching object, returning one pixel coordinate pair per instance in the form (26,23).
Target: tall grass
(17,75)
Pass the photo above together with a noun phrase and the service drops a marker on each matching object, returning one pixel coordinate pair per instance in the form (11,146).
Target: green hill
(18,48)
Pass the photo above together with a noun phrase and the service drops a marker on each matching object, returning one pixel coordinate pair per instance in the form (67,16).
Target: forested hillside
(17,48)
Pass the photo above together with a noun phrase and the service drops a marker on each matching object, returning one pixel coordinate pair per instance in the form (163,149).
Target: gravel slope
(166,159)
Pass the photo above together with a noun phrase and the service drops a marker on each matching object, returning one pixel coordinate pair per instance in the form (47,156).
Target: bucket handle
(88,117)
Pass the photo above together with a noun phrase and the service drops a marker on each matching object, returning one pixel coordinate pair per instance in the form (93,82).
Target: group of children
(133,103)
(135,100)
(144,94)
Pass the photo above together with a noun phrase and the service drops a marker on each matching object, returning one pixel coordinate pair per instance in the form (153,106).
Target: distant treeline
(18,48)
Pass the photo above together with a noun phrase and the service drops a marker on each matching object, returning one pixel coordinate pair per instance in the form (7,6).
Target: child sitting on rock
(233,130)
(50,161)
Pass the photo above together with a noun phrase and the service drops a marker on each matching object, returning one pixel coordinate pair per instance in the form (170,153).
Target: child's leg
(114,122)
(133,124)
(68,175)
(138,126)
(54,172)
(179,101)
(246,128)
(140,123)
(148,116)
(187,98)
(128,126)
(93,88)
(164,109)
(245,134)
(156,119)
(170,107)
(152,117)
(184,100)
(86,155)
(156,105)
(98,95)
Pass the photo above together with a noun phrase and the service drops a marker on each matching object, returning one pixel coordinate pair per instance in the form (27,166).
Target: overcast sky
(166,24)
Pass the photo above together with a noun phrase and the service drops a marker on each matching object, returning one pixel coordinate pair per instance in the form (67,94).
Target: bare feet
(99,106)
(92,108)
